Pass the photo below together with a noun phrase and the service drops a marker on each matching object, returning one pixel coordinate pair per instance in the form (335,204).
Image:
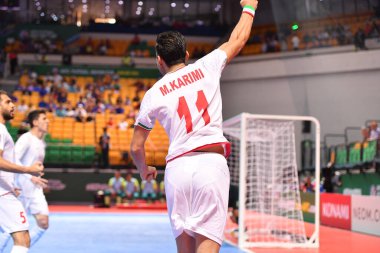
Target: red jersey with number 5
(188,105)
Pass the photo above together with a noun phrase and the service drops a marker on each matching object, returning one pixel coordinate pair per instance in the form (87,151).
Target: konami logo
(336,210)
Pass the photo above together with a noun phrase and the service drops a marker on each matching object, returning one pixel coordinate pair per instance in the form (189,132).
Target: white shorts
(12,214)
(196,188)
(36,204)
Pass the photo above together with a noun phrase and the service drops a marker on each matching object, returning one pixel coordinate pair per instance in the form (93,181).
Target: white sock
(35,234)
(4,238)
(19,249)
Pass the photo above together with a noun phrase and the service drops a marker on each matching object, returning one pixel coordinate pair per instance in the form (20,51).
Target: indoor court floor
(75,229)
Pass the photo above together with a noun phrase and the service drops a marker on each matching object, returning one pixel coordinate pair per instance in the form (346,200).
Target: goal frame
(313,241)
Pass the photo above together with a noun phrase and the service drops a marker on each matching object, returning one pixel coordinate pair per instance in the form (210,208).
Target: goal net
(263,166)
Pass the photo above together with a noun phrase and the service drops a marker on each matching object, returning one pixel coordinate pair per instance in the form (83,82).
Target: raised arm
(242,30)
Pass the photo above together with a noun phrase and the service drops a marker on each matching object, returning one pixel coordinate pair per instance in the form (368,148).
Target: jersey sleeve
(215,61)
(21,147)
(146,118)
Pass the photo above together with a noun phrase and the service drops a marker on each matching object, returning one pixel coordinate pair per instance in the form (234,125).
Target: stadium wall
(340,89)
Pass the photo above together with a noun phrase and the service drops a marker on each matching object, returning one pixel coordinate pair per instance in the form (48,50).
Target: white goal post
(263,165)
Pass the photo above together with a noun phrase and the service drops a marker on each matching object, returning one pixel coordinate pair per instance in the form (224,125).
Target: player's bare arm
(35,169)
(139,138)
(241,32)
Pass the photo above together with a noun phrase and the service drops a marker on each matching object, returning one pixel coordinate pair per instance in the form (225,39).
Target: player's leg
(178,183)
(21,241)
(38,207)
(185,243)
(205,245)
(36,232)
(210,188)
(13,220)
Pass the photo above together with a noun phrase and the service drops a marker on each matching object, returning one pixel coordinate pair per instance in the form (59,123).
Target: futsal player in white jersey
(13,218)
(30,148)
(187,102)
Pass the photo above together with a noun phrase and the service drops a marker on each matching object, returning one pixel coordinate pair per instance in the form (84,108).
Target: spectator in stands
(129,59)
(295,42)
(115,86)
(57,78)
(43,104)
(22,107)
(119,109)
(100,107)
(70,112)
(73,87)
(31,107)
(62,96)
(123,124)
(307,40)
(365,133)
(336,181)
(111,123)
(104,142)
(359,40)
(374,133)
(60,111)
(89,46)
(136,40)
(51,105)
(102,49)
(43,90)
(116,188)
(81,114)
(314,40)
(307,185)
(283,43)
(127,101)
(132,188)
(149,190)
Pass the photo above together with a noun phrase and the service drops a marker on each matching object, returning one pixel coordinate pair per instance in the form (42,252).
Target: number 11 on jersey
(184,111)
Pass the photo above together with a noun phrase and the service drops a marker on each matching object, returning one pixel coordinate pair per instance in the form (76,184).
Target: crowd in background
(331,35)
(273,40)
(54,90)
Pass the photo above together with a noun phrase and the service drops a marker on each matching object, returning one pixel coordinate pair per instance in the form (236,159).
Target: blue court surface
(111,233)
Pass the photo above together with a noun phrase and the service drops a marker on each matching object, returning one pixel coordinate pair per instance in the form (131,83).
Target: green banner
(361,184)
(80,70)
(46,31)
(308,206)
(79,186)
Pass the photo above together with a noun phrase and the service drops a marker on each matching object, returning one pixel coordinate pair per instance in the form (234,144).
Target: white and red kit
(12,214)
(188,105)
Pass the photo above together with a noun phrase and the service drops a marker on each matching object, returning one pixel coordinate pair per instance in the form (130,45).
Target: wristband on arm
(249,10)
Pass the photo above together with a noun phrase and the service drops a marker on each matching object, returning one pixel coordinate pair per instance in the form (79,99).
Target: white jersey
(188,105)
(7,146)
(28,150)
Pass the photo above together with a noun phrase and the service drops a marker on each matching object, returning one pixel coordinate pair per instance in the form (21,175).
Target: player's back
(188,105)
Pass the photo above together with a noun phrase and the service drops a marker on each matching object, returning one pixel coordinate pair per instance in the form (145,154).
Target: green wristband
(249,7)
